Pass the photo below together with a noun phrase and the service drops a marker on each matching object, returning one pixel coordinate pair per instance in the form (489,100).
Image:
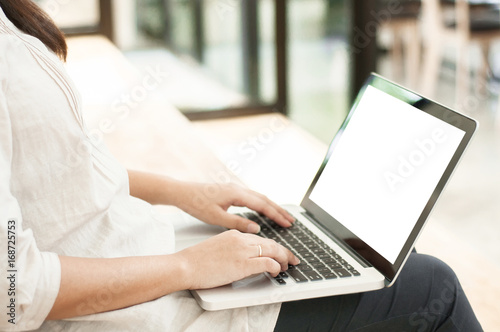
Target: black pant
(426,297)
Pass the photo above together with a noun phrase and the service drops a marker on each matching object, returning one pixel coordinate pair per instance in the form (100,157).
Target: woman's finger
(265,206)
(264,264)
(271,249)
(234,221)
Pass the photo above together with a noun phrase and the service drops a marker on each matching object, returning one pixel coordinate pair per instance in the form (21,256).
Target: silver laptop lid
(384,171)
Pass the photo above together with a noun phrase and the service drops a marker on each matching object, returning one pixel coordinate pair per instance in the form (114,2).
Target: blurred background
(306,59)
(231,55)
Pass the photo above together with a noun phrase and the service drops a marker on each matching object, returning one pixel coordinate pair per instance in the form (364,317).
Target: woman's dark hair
(32,20)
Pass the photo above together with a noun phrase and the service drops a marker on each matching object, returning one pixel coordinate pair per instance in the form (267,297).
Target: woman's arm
(156,189)
(93,285)
(207,202)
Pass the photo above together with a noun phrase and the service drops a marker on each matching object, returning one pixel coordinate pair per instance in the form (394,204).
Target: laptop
(369,201)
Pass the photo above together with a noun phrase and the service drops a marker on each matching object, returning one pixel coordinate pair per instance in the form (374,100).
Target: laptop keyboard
(317,260)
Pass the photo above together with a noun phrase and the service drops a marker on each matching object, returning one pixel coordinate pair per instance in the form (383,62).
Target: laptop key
(297,275)
(334,266)
(303,267)
(319,266)
(312,260)
(326,257)
(330,251)
(307,241)
(302,250)
(280,281)
(323,270)
(329,275)
(313,276)
(253,217)
(317,250)
(306,254)
(265,230)
(329,260)
(342,273)
(317,260)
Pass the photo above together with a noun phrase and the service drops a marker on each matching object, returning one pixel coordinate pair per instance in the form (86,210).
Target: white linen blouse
(61,193)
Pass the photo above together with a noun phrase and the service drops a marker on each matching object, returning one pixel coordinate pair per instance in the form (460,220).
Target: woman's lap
(426,297)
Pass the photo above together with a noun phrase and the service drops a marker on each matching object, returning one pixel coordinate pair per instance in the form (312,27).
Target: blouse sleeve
(29,278)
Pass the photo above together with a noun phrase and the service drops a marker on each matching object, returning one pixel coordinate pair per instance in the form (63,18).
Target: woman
(87,252)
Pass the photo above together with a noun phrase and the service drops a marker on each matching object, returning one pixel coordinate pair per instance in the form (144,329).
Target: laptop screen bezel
(335,227)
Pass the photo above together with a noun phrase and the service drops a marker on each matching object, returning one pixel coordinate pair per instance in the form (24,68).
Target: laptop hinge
(360,259)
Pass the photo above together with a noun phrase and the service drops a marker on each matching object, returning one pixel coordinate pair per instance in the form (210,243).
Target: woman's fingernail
(253,228)
(287,221)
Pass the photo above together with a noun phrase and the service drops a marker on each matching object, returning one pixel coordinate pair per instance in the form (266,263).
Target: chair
(404,29)
(470,22)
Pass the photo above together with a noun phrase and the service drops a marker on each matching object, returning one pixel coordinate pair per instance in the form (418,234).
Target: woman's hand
(232,256)
(209,203)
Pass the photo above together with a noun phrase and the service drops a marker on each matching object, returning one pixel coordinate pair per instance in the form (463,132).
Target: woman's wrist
(175,192)
(155,188)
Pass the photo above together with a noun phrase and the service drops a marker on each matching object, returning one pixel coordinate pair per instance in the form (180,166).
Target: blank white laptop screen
(372,194)
(383,170)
